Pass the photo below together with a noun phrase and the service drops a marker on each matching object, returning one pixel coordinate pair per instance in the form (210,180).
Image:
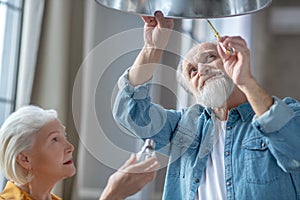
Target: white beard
(215,92)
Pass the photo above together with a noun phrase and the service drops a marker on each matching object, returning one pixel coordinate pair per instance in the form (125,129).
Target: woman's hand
(130,178)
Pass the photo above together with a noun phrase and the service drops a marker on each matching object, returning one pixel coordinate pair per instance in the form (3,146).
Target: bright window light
(2,28)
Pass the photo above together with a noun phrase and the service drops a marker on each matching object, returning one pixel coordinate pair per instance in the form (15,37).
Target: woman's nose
(70,147)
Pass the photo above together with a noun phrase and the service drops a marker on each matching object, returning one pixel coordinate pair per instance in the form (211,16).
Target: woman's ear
(23,160)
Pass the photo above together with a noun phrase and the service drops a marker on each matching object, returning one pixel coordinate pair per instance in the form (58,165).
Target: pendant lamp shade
(188,8)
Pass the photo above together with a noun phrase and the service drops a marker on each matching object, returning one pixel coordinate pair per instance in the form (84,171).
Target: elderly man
(237,142)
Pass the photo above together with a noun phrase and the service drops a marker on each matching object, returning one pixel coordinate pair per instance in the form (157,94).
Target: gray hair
(17,134)
(181,79)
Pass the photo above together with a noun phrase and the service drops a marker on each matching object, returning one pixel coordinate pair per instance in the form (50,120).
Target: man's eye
(55,139)
(211,57)
(193,71)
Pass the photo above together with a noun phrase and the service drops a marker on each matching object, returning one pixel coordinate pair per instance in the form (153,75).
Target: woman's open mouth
(68,162)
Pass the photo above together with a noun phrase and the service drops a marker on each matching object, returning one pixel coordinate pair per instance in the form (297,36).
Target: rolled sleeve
(134,110)
(275,118)
(137,92)
(280,124)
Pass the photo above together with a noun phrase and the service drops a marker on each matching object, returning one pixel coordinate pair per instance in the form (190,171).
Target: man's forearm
(258,98)
(144,65)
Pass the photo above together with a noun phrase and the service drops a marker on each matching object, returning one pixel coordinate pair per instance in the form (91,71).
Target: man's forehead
(203,47)
(195,53)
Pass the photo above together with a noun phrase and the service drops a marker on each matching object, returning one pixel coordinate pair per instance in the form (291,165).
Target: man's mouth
(206,78)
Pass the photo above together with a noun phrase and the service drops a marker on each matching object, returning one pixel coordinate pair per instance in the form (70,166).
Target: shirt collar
(244,110)
(208,112)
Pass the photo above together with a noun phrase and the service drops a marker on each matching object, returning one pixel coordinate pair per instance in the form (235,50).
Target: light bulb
(147,151)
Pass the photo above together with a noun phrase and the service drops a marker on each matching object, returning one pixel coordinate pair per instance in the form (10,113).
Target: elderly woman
(35,155)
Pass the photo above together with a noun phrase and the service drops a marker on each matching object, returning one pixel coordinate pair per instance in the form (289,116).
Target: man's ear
(23,160)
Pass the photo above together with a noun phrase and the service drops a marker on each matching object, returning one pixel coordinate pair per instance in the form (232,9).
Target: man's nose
(203,69)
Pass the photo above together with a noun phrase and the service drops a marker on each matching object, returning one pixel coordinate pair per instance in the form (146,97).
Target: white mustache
(215,71)
(209,74)
(217,92)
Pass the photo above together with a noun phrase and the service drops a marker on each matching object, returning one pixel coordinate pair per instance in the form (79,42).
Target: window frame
(9,59)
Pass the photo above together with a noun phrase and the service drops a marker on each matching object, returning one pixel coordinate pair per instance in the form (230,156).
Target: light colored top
(212,183)
(11,191)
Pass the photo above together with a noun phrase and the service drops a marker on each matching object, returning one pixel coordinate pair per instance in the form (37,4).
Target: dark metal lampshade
(188,8)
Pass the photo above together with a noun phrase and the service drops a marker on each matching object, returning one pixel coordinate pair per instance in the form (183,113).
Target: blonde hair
(17,134)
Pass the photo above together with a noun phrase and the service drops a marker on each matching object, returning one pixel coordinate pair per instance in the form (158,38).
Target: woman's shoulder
(12,192)
(54,197)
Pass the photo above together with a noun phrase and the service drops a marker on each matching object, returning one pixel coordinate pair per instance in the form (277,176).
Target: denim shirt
(261,154)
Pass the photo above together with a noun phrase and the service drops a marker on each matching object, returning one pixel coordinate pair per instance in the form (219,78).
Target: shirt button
(263,144)
(227,153)
(229,127)
(181,139)
(197,180)
(228,183)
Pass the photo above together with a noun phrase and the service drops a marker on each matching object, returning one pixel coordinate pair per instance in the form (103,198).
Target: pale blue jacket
(262,155)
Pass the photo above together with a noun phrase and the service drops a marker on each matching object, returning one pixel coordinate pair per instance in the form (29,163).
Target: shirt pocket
(185,139)
(183,145)
(260,165)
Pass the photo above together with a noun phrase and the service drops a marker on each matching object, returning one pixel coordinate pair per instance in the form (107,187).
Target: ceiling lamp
(188,8)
